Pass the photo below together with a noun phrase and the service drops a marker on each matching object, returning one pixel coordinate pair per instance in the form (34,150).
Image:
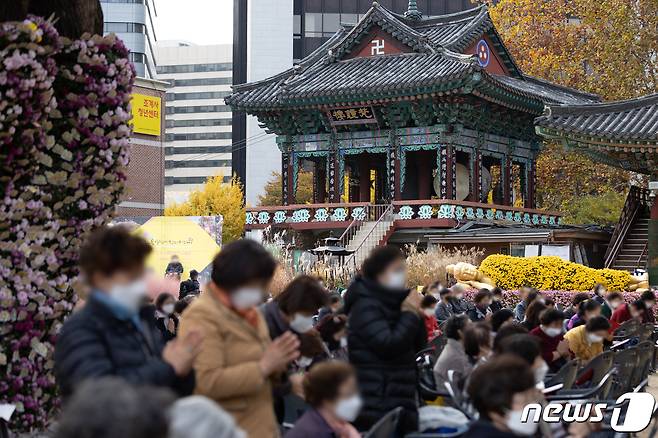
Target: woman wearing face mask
(586,310)
(499,390)
(238,360)
(113,335)
(385,331)
(586,341)
(428,307)
(165,319)
(612,301)
(333,330)
(335,402)
(554,349)
(599,293)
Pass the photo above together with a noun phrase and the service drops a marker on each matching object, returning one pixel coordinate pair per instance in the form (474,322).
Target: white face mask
(614,304)
(594,338)
(429,312)
(347,409)
(459,296)
(246,297)
(396,280)
(518,427)
(304,361)
(168,309)
(551,331)
(301,323)
(343,342)
(540,373)
(129,296)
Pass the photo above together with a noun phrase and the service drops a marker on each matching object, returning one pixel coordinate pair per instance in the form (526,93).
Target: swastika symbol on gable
(377,47)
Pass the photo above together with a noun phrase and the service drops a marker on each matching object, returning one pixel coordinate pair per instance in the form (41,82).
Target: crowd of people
(229,360)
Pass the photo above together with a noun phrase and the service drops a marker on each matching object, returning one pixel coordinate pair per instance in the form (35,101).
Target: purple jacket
(311,424)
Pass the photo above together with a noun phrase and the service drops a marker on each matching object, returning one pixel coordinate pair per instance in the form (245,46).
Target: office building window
(137,57)
(198,82)
(112,27)
(179,150)
(313,25)
(169,180)
(195,68)
(192,123)
(200,95)
(197,109)
(172,164)
(199,136)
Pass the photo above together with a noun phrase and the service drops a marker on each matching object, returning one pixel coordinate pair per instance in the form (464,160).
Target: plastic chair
(565,375)
(625,363)
(627,329)
(599,366)
(645,352)
(425,371)
(386,427)
(437,345)
(596,392)
(645,332)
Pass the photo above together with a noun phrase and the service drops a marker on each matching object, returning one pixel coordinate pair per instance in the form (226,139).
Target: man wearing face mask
(293,310)
(500,389)
(111,336)
(238,361)
(385,331)
(459,303)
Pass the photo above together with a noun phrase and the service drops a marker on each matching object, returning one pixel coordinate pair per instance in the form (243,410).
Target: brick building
(144,194)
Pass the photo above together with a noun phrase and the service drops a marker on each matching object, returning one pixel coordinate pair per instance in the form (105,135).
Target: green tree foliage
(272,196)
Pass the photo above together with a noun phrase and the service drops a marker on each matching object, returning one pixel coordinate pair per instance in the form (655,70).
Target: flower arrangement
(64,112)
(550,273)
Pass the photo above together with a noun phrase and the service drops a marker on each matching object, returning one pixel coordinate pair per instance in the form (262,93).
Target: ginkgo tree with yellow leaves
(607,47)
(216,197)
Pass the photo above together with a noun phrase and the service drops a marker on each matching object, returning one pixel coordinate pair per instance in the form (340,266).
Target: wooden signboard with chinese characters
(352,115)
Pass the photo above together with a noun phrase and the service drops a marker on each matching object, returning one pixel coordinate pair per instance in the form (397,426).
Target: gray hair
(109,407)
(199,417)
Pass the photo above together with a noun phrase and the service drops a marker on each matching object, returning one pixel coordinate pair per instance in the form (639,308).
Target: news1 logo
(631,412)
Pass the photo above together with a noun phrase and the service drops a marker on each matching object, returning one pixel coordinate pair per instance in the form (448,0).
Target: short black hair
(532,296)
(444,291)
(334,298)
(614,296)
(639,305)
(549,302)
(507,331)
(194,274)
(454,324)
(648,295)
(303,294)
(500,317)
(588,306)
(181,305)
(579,298)
(525,346)
(428,301)
(496,291)
(112,249)
(597,323)
(159,301)
(493,384)
(379,259)
(549,316)
(240,262)
(481,295)
(475,336)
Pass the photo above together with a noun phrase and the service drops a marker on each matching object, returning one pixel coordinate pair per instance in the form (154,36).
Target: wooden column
(334,185)
(476,176)
(364,178)
(506,171)
(287,189)
(319,181)
(531,184)
(450,172)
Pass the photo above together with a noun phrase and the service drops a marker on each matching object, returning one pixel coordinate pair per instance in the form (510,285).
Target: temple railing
(350,215)
(637,198)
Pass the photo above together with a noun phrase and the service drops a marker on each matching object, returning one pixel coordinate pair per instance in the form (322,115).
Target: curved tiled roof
(325,77)
(626,120)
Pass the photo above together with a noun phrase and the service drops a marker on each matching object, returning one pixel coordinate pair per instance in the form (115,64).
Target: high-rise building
(268,37)
(198,123)
(133,22)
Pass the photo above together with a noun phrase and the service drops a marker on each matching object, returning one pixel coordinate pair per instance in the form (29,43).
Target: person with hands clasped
(113,334)
(238,360)
(385,331)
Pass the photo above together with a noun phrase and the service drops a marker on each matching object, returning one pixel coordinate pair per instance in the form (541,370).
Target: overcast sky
(196,21)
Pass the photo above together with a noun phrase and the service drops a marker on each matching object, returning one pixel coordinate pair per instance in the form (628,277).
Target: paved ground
(653,389)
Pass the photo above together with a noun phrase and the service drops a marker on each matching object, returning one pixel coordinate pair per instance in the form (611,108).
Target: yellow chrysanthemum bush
(550,273)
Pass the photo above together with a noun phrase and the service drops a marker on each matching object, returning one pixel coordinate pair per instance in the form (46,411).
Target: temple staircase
(367,235)
(629,242)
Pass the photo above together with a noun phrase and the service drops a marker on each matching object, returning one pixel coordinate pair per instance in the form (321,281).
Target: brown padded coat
(227,368)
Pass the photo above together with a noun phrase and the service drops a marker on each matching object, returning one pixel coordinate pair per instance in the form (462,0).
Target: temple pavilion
(408,124)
